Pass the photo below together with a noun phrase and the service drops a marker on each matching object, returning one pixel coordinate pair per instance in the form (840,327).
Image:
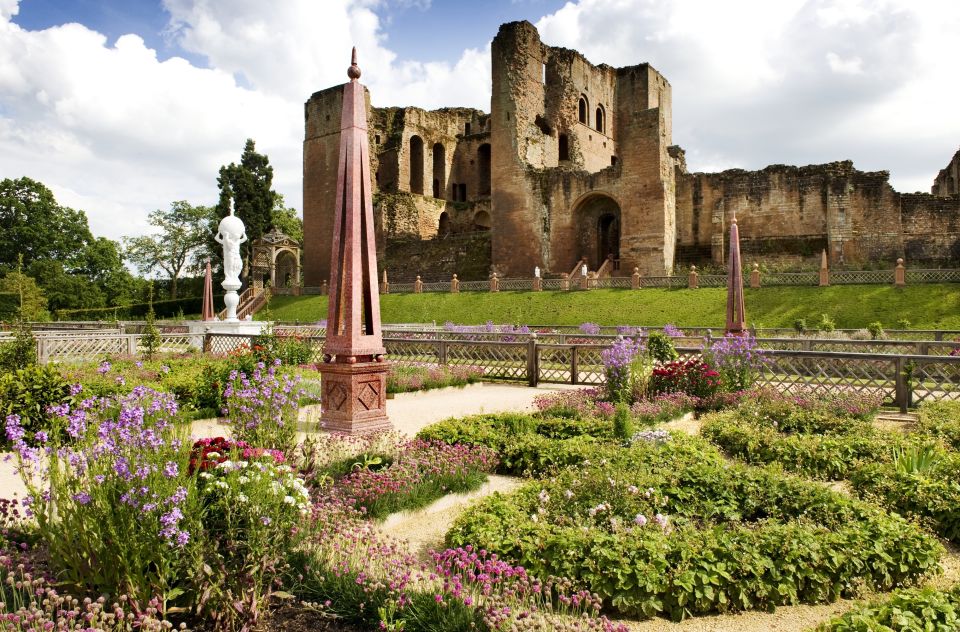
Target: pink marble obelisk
(354,385)
(208,314)
(736,314)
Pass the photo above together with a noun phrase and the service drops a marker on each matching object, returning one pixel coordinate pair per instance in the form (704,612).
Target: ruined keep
(576,160)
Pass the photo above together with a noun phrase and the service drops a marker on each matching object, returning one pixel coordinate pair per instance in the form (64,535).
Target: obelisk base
(353,397)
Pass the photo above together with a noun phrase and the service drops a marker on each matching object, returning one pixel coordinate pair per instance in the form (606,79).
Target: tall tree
(286,220)
(249,185)
(34,225)
(28,301)
(177,248)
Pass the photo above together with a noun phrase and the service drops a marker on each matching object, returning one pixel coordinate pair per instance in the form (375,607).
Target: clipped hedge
(670,529)
(828,457)
(942,421)
(913,610)
(932,495)
(528,444)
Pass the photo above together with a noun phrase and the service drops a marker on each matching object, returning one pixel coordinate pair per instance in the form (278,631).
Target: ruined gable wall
(931,228)
(947,181)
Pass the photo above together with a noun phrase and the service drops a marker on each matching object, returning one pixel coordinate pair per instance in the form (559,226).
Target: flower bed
(913,610)
(404,379)
(667,528)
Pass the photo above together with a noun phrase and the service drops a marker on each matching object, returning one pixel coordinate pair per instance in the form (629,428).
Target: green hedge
(528,444)
(738,537)
(828,457)
(162,309)
(941,420)
(914,610)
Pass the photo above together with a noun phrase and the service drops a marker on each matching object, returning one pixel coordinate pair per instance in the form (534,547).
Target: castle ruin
(577,161)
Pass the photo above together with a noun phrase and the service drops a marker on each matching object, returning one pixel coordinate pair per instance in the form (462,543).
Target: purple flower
(40,436)
(104,368)
(171,469)
(83,498)
(640,520)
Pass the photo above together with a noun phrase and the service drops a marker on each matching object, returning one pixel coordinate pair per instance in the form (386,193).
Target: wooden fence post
(899,274)
(824,270)
(902,398)
(384,285)
(454,284)
(207,341)
(494,283)
(442,352)
(565,282)
(755,276)
(635,279)
(418,286)
(574,365)
(693,278)
(324,289)
(533,364)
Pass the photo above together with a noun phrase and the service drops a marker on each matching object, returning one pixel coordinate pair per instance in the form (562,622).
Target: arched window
(582,108)
(439,171)
(416,165)
(483,164)
(600,119)
(564,147)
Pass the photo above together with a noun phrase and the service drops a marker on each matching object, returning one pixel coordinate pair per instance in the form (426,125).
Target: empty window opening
(463,191)
(466,129)
(613,160)
(582,109)
(443,227)
(376,139)
(564,147)
(600,119)
(543,125)
(439,171)
(416,165)
(483,169)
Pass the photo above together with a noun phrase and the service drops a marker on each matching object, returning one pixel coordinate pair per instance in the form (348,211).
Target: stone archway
(286,269)
(598,229)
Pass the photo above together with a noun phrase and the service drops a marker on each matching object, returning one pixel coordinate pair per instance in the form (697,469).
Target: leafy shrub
(933,496)
(800,326)
(622,423)
(911,610)
(290,350)
(693,377)
(903,323)
(940,420)
(660,347)
(584,403)
(667,528)
(21,351)
(826,323)
(27,393)
(876,330)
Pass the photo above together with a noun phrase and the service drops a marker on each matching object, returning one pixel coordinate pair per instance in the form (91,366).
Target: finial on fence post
(418,286)
(693,278)
(494,283)
(824,269)
(899,274)
(454,284)
(755,276)
(635,279)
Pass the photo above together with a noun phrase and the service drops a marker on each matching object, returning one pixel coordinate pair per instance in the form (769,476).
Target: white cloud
(117,132)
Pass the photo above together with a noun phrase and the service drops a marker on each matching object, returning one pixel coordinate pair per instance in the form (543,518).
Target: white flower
(289,500)
(533,517)
(633,489)
(243,480)
(568,494)
(241,498)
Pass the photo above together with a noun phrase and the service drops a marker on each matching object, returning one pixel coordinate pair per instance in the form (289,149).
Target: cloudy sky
(122,106)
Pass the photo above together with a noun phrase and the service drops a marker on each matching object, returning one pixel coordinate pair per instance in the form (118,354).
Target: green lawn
(851,306)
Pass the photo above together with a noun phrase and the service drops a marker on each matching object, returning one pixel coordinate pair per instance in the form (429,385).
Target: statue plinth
(354,397)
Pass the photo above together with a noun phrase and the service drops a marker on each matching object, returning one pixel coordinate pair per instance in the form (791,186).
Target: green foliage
(286,220)
(151,337)
(249,185)
(940,420)
(660,347)
(622,423)
(176,249)
(28,299)
(800,325)
(404,379)
(917,459)
(930,306)
(21,352)
(28,392)
(290,350)
(727,538)
(826,323)
(903,323)
(876,330)
(912,610)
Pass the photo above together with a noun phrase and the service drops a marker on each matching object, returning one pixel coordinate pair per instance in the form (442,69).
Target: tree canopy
(179,246)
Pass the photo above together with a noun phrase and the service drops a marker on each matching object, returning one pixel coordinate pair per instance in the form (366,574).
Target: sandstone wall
(947,181)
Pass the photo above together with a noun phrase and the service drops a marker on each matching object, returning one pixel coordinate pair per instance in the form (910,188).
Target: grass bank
(934,306)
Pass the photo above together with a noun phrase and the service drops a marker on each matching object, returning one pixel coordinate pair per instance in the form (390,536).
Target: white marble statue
(536,272)
(231,233)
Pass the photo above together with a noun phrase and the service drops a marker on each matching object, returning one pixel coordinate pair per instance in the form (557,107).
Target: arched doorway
(443,226)
(598,229)
(287,269)
(481,221)
(416,165)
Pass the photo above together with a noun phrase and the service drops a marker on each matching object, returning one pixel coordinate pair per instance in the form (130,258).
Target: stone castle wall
(576,160)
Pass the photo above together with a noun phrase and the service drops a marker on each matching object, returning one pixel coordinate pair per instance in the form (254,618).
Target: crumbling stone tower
(580,160)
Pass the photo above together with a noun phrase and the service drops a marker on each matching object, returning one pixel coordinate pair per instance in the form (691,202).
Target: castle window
(483,171)
(582,108)
(613,161)
(416,165)
(376,139)
(466,129)
(463,191)
(439,170)
(443,226)
(564,147)
(600,119)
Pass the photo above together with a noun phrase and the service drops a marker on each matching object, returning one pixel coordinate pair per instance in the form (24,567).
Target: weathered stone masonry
(576,160)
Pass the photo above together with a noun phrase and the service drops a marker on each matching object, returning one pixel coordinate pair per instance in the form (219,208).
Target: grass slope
(851,306)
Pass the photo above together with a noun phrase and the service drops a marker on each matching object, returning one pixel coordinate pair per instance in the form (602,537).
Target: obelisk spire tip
(354,70)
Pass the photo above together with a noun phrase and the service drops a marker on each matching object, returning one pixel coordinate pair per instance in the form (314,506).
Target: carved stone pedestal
(354,397)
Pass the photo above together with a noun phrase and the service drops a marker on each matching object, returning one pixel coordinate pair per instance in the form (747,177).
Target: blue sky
(122,107)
